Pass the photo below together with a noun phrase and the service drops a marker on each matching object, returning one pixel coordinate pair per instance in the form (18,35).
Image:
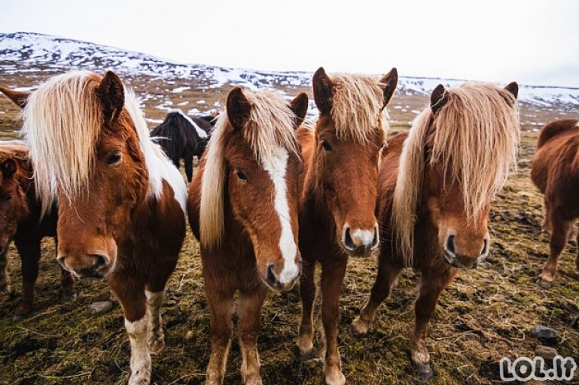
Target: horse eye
(114,157)
(8,197)
(326,146)
(241,175)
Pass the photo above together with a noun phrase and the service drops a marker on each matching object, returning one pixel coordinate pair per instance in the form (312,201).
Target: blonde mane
(474,142)
(357,107)
(270,125)
(62,122)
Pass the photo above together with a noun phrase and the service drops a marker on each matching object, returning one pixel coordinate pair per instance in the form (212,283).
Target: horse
(121,202)
(183,137)
(336,206)
(434,192)
(20,210)
(555,172)
(242,207)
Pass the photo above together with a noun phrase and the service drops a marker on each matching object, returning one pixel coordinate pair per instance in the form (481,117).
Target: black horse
(183,137)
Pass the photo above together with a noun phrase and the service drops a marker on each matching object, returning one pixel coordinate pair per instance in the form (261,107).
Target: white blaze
(276,167)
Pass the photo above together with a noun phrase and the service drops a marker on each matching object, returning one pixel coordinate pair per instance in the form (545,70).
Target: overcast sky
(533,42)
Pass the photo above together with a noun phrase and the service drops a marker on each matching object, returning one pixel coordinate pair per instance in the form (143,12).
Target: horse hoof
(69,296)
(359,327)
(156,345)
(335,377)
(304,355)
(544,284)
(425,371)
(22,311)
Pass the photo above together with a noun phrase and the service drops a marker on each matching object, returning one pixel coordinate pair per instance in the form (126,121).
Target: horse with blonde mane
(243,208)
(121,202)
(341,159)
(436,185)
(555,172)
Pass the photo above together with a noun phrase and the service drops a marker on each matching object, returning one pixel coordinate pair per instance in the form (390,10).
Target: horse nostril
(271,279)
(348,241)
(450,245)
(376,238)
(100,261)
(485,247)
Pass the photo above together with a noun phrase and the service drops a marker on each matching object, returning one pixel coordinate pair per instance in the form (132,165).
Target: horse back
(556,162)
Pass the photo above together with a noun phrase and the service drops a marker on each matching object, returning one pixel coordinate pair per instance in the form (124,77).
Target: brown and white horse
(555,172)
(436,184)
(21,222)
(341,159)
(243,207)
(121,202)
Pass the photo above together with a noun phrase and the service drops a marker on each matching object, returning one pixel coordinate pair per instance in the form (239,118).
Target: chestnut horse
(183,137)
(336,208)
(555,172)
(21,222)
(121,202)
(242,207)
(436,184)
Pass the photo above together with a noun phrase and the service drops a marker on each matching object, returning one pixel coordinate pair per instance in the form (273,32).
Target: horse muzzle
(87,265)
(359,242)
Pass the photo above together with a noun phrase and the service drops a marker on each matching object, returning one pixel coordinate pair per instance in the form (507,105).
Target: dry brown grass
(486,314)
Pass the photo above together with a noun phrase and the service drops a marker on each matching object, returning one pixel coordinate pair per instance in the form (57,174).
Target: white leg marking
(140,358)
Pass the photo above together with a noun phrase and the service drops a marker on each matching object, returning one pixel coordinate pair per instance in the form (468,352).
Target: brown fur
(119,216)
(22,223)
(341,158)
(555,172)
(232,213)
(424,177)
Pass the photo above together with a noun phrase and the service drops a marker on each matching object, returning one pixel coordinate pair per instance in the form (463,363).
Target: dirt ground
(486,314)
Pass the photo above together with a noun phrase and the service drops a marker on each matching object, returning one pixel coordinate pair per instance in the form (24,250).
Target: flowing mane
(270,121)
(474,139)
(358,107)
(72,127)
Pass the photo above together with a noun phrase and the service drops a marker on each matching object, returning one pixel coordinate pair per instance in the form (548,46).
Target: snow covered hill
(20,51)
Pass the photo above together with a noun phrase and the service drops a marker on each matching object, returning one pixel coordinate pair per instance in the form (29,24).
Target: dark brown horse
(183,137)
(555,172)
(243,207)
(436,184)
(21,222)
(121,202)
(341,159)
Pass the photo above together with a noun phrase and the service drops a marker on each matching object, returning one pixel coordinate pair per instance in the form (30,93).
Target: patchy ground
(486,314)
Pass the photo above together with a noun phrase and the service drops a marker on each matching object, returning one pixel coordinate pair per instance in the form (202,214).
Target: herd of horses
(272,200)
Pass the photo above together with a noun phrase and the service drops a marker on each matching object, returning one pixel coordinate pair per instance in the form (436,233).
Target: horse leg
(559,236)
(332,279)
(249,325)
(386,280)
(131,296)
(30,256)
(156,337)
(221,330)
(431,285)
(66,280)
(4,276)
(305,342)
(188,160)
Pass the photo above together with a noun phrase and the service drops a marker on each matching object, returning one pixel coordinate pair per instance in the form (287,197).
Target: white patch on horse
(276,167)
(200,132)
(140,357)
(158,165)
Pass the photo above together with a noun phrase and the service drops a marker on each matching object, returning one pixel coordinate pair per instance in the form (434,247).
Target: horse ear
(390,81)
(112,95)
(300,107)
(20,98)
(323,91)
(8,168)
(238,108)
(513,88)
(438,98)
